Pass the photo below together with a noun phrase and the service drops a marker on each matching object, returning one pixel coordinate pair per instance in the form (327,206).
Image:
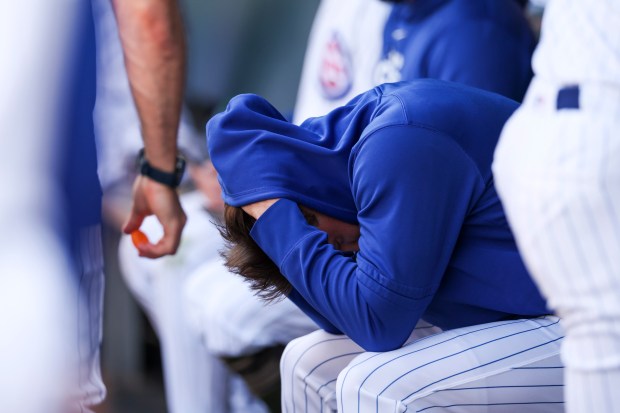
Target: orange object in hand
(139,238)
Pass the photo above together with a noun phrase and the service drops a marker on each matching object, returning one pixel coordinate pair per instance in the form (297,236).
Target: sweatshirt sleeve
(303,305)
(412,193)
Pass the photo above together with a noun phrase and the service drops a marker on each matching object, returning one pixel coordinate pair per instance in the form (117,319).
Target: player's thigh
(309,367)
(498,367)
(311,364)
(232,320)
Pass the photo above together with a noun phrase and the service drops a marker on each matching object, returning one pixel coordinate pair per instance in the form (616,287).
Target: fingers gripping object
(139,238)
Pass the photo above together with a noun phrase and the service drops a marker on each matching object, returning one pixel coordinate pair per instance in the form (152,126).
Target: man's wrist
(171,179)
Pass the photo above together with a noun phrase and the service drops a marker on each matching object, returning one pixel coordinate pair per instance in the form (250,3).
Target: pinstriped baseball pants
(505,366)
(557,171)
(90,389)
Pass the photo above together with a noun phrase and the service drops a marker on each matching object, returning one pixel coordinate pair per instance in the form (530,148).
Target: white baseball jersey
(343,50)
(579,42)
(557,172)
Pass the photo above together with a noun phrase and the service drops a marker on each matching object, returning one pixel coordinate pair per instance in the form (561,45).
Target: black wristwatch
(171,179)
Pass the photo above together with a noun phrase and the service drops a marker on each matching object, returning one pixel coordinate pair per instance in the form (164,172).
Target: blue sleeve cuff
(279,229)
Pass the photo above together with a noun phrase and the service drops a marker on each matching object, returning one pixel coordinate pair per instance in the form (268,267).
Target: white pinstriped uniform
(557,171)
(197,381)
(357,27)
(88,311)
(200,311)
(505,366)
(39,302)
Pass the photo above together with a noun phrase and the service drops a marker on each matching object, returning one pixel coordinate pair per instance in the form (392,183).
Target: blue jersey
(482,43)
(411,163)
(356,45)
(79,178)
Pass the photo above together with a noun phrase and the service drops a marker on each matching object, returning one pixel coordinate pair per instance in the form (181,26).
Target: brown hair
(244,257)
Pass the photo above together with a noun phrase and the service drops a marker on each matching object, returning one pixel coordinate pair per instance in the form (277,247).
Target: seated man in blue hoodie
(381,222)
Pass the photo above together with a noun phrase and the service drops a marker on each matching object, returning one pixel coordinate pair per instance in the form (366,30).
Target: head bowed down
(260,155)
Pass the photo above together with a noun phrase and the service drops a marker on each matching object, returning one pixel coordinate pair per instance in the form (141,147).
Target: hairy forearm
(154,46)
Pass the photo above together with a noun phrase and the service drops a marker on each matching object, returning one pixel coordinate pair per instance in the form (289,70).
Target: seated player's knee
(198,293)
(224,311)
(317,358)
(383,381)
(359,388)
(309,367)
(302,354)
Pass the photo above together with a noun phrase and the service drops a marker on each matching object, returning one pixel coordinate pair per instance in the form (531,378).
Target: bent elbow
(381,343)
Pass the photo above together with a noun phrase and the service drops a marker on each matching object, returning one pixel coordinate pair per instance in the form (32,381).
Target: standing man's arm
(153,42)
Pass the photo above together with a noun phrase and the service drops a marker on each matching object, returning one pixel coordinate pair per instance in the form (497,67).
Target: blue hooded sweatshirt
(411,163)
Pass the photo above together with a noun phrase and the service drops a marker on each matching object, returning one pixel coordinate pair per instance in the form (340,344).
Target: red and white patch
(335,72)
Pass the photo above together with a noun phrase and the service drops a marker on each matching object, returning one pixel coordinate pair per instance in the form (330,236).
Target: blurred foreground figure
(37,289)
(51,278)
(557,171)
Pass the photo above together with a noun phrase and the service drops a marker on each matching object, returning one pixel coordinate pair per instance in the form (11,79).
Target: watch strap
(171,179)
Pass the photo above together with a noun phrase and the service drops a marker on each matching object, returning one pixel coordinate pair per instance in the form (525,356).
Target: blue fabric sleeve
(413,188)
(325,278)
(303,305)
(482,54)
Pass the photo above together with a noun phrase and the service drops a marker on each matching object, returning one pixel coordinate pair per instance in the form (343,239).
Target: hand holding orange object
(153,198)
(139,238)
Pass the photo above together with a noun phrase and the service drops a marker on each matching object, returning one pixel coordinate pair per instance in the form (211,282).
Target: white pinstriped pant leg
(308,370)
(196,381)
(89,312)
(558,174)
(496,367)
(505,366)
(310,365)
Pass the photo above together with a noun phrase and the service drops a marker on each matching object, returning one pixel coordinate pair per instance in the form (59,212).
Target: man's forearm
(154,46)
